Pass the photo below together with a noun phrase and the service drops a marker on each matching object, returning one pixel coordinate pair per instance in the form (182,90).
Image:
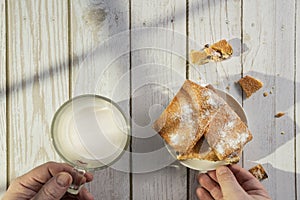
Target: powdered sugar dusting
(233,143)
(227,142)
(187,119)
(207,113)
(212,98)
(222,134)
(212,102)
(220,148)
(243,137)
(230,124)
(186,113)
(175,139)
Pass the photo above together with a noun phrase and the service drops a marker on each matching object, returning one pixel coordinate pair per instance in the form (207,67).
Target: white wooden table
(43,43)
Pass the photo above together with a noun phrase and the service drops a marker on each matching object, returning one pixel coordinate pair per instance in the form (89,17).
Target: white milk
(91,131)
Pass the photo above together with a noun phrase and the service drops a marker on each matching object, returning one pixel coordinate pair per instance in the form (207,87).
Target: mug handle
(77,184)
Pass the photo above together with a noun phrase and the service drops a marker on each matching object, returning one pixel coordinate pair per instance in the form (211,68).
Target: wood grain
(269,36)
(158,68)
(3,147)
(38,79)
(297,103)
(59,49)
(100,65)
(209,22)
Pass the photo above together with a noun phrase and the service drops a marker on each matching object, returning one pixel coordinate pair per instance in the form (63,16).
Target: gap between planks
(130,103)
(8,105)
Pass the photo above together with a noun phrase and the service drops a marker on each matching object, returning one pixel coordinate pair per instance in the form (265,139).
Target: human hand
(230,183)
(49,181)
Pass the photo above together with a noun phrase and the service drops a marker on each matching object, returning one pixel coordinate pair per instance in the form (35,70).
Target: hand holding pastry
(233,182)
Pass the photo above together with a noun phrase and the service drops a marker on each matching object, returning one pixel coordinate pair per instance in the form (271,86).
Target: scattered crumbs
(228,87)
(278,74)
(265,94)
(280,114)
(258,172)
(273,87)
(282,132)
(271,92)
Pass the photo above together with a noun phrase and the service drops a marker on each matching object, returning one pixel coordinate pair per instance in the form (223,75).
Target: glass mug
(90,132)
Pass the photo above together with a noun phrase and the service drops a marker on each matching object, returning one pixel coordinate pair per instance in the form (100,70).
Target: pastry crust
(185,119)
(199,57)
(258,172)
(198,124)
(218,51)
(201,151)
(227,134)
(250,85)
(222,47)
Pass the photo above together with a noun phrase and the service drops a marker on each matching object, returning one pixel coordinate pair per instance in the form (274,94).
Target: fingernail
(222,170)
(63,179)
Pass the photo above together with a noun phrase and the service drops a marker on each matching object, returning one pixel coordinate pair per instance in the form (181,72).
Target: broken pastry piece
(199,57)
(198,124)
(223,48)
(258,172)
(217,52)
(280,114)
(250,85)
(201,151)
(185,119)
(227,134)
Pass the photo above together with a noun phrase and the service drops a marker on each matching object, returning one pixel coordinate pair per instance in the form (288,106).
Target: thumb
(55,188)
(228,183)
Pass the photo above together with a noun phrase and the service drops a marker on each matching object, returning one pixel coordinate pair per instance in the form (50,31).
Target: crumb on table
(258,172)
(250,85)
(279,114)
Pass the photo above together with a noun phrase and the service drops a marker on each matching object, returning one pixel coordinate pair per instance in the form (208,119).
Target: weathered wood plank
(38,79)
(209,22)
(100,65)
(3,146)
(158,69)
(297,105)
(267,32)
